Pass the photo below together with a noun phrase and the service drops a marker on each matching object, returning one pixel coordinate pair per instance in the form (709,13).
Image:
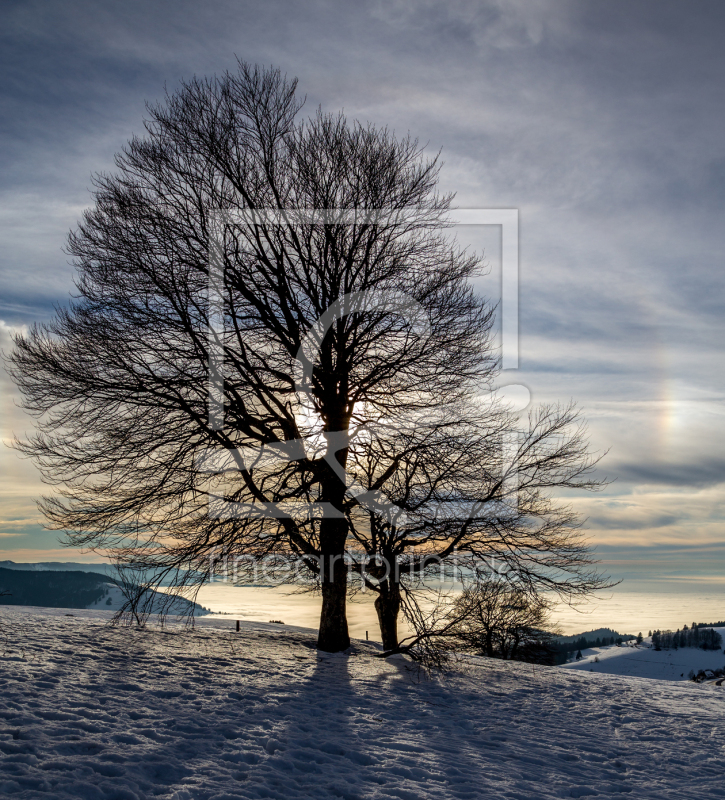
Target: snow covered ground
(644,662)
(91,711)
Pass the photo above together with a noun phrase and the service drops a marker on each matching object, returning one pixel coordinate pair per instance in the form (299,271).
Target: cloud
(21,484)
(578,114)
(21,526)
(705,473)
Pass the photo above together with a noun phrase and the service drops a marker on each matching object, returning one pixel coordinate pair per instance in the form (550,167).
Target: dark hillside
(51,589)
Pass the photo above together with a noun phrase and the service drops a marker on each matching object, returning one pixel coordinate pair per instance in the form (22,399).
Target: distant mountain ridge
(60,566)
(51,588)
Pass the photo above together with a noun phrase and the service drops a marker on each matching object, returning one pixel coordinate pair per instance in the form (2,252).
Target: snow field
(89,711)
(643,661)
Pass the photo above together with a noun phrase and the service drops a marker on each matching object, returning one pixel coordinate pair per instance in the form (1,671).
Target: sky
(602,123)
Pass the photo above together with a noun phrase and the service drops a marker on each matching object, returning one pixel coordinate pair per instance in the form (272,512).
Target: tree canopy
(275,351)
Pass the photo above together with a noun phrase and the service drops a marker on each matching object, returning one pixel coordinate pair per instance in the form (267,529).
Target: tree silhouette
(461,501)
(197,398)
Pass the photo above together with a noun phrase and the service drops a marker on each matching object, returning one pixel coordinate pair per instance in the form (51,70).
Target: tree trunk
(387,605)
(333,636)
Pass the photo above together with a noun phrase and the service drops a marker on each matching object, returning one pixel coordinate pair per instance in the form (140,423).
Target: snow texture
(89,711)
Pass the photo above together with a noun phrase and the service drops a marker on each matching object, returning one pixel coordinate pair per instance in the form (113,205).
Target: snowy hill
(71,589)
(113,599)
(77,589)
(643,661)
(91,711)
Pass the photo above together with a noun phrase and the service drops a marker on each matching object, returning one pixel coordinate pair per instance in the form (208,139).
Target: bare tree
(138,595)
(308,327)
(491,616)
(433,642)
(470,491)
(502,620)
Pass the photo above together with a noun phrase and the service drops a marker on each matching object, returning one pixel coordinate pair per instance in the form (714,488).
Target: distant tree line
(601,641)
(564,650)
(695,636)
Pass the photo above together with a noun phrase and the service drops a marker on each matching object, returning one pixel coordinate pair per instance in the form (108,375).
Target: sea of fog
(628,609)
